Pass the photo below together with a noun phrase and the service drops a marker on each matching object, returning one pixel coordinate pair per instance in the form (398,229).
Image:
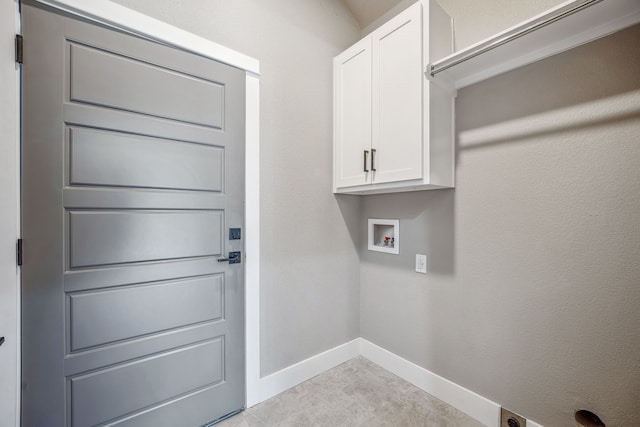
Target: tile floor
(356,393)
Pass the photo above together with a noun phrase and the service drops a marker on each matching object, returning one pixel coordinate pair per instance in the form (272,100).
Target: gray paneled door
(133,174)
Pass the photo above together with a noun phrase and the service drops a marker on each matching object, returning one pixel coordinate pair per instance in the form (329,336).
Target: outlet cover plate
(421,263)
(511,419)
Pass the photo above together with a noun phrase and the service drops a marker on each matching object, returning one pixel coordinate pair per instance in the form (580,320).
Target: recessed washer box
(384,235)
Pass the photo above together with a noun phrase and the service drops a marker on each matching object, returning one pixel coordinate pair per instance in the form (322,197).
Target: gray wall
(474,20)
(309,277)
(534,285)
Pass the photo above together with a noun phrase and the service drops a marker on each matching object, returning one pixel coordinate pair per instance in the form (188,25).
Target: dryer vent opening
(588,419)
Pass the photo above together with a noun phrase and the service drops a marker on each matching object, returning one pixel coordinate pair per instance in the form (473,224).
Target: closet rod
(510,35)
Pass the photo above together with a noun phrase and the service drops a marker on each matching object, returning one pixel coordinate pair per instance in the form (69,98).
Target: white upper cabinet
(397,98)
(393,127)
(352,104)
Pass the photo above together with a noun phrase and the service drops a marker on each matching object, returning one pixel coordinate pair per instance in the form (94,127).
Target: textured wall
(309,278)
(533,294)
(474,20)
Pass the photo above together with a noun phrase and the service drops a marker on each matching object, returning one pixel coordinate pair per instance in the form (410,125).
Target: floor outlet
(511,419)
(421,263)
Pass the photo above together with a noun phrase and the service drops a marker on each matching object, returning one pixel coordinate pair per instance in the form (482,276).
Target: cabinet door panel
(352,71)
(397,97)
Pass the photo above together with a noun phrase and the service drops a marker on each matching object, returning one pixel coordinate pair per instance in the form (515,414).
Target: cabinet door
(397,97)
(352,146)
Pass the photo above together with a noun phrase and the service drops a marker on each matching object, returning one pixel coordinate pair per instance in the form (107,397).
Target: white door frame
(9,215)
(119,17)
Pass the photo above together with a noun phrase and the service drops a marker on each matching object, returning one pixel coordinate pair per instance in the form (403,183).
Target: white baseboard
(472,404)
(293,375)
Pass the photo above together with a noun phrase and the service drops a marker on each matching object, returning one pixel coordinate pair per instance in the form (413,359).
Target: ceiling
(367,11)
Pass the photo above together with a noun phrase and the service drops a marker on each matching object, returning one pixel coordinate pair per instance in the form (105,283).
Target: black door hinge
(19,48)
(19,252)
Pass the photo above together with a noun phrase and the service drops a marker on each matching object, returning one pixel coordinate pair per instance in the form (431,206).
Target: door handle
(234,258)
(373,159)
(366,152)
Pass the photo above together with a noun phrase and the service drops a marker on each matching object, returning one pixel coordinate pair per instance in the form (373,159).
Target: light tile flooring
(356,393)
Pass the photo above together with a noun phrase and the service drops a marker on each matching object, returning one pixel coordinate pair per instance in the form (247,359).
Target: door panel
(183,303)
(137,384)
(132,85)
(353,115)
(133,171)
(397,97)
(112,159)
(141,236)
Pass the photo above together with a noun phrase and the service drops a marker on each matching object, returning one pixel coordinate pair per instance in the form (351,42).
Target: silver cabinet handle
(366,153)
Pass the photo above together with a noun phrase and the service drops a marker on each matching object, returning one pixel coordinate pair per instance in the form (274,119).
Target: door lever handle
(234,258)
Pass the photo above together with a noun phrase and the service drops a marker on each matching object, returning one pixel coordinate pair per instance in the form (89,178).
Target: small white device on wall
(384,235)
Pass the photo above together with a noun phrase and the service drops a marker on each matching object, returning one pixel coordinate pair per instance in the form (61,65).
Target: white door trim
(252,241)
(9,216)
(116,16)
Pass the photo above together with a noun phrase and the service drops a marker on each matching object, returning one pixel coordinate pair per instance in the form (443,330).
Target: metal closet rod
(530,27)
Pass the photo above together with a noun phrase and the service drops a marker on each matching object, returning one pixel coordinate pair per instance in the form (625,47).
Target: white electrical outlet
(421,263)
